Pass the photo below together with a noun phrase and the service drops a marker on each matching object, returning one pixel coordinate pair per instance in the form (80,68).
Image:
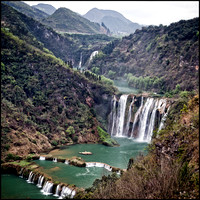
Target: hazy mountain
(65,20)
(115,21)
(26,9)
(49,9)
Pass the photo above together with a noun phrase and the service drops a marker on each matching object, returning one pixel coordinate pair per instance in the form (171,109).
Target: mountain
(49,9)
(65,20)
(27,10)
(115,21)
(161,57)
(68,47)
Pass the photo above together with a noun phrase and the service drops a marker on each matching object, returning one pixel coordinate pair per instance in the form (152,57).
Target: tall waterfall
(140,125)
(30,177)
(121,115)
(129,118)
(57,191)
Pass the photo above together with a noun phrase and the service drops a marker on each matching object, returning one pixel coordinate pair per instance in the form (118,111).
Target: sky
(142,12)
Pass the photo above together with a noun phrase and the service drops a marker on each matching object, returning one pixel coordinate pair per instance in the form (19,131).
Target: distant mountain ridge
(27,10)
(47,8)
(114,20)
(65,20)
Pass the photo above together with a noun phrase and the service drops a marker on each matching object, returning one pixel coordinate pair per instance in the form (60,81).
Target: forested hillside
(160,56)
(44,102)
(68,47)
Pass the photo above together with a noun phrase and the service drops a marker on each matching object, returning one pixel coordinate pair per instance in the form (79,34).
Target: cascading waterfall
(136,117)
(129,118)
(40,181)
(57,191)
(30,177)
(67,192)
(121,115)
(47,188)
(145,118)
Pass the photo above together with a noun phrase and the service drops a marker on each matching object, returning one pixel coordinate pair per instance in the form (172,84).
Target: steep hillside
(68,47)
(27,10)
(169,54)
(65,20)
(116,22)
(44,102)
(49,9)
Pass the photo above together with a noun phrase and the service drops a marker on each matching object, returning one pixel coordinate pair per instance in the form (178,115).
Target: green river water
(17,188)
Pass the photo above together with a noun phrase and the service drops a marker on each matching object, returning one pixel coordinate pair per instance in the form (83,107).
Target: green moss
(105,137)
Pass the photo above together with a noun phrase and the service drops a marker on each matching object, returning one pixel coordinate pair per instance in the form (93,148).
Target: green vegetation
(105,137)
(168,54)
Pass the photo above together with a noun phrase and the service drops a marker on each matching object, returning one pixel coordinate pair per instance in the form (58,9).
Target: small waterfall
(21,172)
(93,54)
(47,188)
(80,62)
(66,192)
(40,181)
(42,158)
(54,159)
(57,191)
(97,164)
(129,118)
(30,177)
(121,115)
(163,119)
(136,117)
(73,194)
(66,162)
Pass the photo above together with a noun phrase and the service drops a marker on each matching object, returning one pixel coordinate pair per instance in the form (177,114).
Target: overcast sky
(142,12)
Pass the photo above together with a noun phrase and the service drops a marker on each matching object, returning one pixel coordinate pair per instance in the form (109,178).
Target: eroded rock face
(26,142)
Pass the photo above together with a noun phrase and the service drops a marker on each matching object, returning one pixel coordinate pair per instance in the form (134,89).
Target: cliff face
(170,53)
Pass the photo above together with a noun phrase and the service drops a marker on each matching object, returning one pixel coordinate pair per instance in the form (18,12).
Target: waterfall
(57,191)
(66,162)
(54,159)
(47,188)
(113,115)
(129,118)
(146,118)
(93,54)
(73,194)
(136,117)
(121,115)
(40,180)
(163,119)
(98,164)
(42,158)
(80,62)
(30,177)
(21,172)
(66,192)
